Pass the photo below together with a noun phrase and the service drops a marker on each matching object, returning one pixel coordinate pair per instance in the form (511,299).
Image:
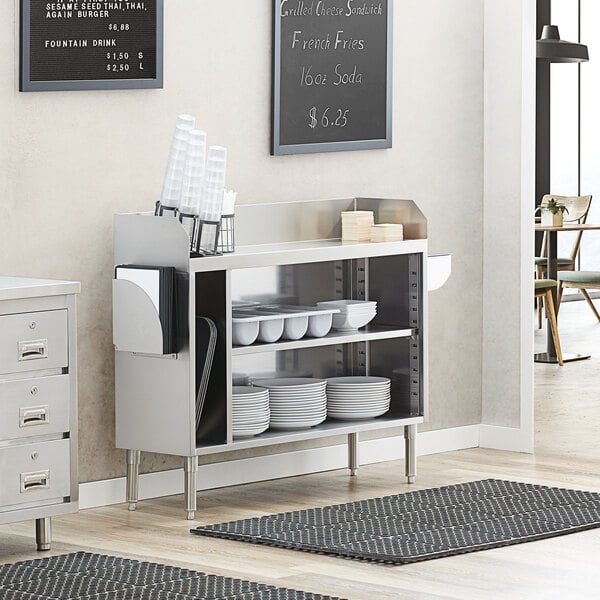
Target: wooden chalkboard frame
(26,85)
(304,148)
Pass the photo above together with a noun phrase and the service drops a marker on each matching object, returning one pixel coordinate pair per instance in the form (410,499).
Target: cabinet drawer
(33,341)
(34,472)
(30,407)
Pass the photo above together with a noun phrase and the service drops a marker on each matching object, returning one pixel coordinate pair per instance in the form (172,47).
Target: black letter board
(332,75)
(94,45)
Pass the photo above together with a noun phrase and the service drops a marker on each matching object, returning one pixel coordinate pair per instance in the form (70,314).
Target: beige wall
(68,161)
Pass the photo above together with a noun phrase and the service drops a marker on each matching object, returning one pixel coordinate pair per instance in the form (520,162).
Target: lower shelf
(325,429)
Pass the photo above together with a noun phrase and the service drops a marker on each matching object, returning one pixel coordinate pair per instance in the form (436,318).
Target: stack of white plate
(354,398)
(249,410)
(296,402)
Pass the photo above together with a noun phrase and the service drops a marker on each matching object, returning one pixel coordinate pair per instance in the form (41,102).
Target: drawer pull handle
(34,415)
(36,480)
(33,350)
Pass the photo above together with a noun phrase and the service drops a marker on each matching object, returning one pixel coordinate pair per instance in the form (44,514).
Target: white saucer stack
(296,402)
(250,412)
(356,398)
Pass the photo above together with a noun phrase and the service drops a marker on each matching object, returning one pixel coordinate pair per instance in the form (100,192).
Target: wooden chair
(583,281)
(543,290)
(578,207)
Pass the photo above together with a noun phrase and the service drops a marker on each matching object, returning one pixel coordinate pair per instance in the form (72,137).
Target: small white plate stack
(355,398)
(250,412)
(296,402)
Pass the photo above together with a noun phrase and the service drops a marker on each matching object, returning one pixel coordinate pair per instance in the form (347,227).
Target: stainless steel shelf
(366,334)
(326,429)
(290,253)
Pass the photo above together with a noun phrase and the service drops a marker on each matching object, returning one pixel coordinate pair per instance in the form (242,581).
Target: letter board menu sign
(84,45)
(332,75)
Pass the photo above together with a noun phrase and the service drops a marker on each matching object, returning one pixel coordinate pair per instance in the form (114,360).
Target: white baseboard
(288,464)
(505,438)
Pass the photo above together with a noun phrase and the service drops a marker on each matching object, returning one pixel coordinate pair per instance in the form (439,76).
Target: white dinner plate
(290,382)
(357,415)
(309,414)
(245,390)
(358,379)
(294,426)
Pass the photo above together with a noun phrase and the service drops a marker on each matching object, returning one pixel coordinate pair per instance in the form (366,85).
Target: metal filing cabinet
(38,402)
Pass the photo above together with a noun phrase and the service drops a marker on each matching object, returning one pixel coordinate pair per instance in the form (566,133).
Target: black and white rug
(424,524)
(84,576)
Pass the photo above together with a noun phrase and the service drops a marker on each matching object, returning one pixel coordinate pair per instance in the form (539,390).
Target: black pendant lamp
(550,48)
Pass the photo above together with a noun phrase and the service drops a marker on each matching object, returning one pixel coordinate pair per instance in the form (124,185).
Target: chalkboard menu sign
(332,75)
(85,45)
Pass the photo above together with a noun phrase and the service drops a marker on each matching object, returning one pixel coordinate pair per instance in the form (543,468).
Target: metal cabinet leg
(410,452)
(133,477)
(353,460)
(43,533)
(190,468)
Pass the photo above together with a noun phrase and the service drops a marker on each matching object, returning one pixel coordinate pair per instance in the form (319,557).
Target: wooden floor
(567,454)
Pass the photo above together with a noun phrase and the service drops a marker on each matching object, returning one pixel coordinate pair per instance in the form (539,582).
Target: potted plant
(553,213)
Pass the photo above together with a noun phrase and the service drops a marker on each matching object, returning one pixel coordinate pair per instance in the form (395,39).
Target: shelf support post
(43,533)
(190,468)
(133,477)
(410,452)
(353,458)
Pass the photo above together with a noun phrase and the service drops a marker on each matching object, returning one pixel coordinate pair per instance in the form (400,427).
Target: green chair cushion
(561,262)
(543,284)
(579,276)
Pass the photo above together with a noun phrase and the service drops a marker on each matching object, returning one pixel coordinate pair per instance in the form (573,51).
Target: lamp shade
(550,48)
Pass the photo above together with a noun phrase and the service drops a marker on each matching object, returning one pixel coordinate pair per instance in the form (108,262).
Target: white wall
(69,160)
(509,189)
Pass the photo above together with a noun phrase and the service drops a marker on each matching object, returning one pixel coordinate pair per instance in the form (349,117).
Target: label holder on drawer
(35,480)
(33,350)
(34,415)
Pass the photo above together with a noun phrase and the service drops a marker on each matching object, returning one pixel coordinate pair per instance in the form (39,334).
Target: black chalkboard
(332,75)
(77,45)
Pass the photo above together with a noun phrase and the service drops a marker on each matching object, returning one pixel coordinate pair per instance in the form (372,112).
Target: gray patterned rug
(425,524)
(84,576)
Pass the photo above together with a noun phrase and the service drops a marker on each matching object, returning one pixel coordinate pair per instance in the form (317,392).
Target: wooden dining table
(551,272)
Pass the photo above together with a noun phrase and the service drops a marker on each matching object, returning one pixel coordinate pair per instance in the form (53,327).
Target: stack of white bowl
(250,412)
(296,402)
(355,398)
(353,313)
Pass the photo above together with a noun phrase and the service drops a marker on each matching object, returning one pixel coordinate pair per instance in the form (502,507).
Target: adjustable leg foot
(353,459)
(133,478)
(410,452)
(190,470)
(43,533)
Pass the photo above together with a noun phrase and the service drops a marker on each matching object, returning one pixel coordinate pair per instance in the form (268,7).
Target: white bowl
(351,321)
(349,305)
